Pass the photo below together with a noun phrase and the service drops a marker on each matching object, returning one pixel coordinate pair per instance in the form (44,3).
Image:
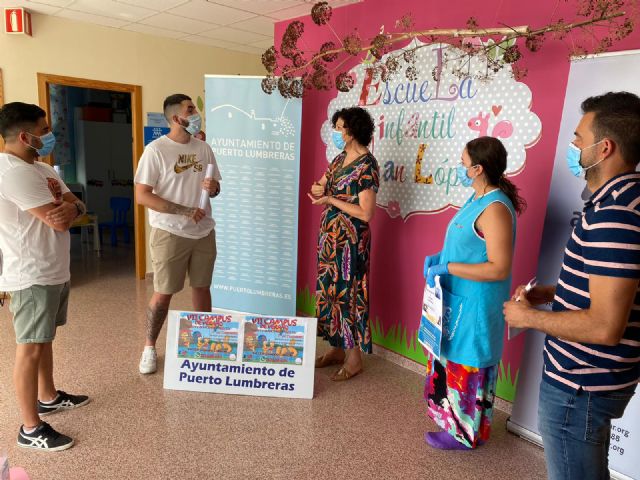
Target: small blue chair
(120,207)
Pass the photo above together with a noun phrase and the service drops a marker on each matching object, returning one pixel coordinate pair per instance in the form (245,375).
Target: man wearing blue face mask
(169,182)
(36,209)
(592,348)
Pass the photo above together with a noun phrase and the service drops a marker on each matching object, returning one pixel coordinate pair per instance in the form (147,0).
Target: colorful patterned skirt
(342,288)
(460,399)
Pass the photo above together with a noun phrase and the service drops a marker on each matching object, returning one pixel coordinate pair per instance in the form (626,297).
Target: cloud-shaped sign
(423,125)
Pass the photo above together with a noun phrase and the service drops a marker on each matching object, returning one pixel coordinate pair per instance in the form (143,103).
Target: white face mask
(194,123)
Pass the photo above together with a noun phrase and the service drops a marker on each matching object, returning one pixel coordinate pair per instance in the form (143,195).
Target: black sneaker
(63,402)
(44,438)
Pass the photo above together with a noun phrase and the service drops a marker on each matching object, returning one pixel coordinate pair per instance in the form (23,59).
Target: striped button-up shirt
(605,242)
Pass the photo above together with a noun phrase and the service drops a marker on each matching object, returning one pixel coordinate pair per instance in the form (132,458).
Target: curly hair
(357,122)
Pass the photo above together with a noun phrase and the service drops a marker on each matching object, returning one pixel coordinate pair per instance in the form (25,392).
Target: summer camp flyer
(273,340)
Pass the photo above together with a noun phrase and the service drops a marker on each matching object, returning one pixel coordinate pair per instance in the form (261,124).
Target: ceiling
(240,25)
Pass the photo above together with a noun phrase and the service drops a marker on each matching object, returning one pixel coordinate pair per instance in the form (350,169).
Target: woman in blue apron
(474,267)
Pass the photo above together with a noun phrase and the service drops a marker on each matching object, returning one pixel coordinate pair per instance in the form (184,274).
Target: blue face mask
(48,143)
(463,176)
(195,123)
(338,140)
(574,155)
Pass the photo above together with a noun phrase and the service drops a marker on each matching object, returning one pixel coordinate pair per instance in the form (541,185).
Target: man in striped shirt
(592,348)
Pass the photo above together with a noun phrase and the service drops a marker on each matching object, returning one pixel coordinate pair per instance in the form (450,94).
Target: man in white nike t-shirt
(36,211)
(169,182)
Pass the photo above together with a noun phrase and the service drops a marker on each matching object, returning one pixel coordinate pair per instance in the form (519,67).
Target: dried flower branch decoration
(293,71)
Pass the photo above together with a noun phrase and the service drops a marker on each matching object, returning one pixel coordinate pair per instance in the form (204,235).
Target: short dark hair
(172,100)
(17,116)
(617,116)
(357,122)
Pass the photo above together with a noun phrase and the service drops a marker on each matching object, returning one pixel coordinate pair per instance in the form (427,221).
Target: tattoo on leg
(156,315)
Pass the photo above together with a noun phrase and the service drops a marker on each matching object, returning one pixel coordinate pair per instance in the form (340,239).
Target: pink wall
(399,246)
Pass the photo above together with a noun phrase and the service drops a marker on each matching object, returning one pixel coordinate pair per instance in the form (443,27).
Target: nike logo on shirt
(185,162)
(183,168)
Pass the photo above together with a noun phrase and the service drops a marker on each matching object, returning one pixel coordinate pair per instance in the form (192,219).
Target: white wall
(162,66)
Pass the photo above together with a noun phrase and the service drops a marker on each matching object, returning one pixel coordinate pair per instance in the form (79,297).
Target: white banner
(587,77)
(256,140)
(238,353)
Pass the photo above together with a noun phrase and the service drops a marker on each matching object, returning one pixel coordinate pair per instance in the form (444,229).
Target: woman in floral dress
(348,193)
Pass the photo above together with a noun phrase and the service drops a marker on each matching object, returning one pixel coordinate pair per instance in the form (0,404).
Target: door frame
(1,104)
(45,79)
(1,89)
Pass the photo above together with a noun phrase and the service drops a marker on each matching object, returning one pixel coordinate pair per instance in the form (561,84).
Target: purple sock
(443,441)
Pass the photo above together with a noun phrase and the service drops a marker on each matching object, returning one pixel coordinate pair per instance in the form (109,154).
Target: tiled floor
(368,428)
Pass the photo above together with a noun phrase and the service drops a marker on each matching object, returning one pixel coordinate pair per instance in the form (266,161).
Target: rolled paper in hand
(204,196)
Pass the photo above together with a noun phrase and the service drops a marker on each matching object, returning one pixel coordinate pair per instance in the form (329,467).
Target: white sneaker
(148,362)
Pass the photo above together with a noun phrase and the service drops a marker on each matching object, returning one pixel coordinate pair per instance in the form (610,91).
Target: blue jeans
(576,429)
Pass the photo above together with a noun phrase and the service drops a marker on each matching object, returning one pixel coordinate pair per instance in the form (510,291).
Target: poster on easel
(240,353)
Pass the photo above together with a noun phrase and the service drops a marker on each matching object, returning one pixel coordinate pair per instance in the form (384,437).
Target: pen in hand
(532,283)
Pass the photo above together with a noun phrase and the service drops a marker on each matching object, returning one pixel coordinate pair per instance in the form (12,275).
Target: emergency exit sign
(17,20)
